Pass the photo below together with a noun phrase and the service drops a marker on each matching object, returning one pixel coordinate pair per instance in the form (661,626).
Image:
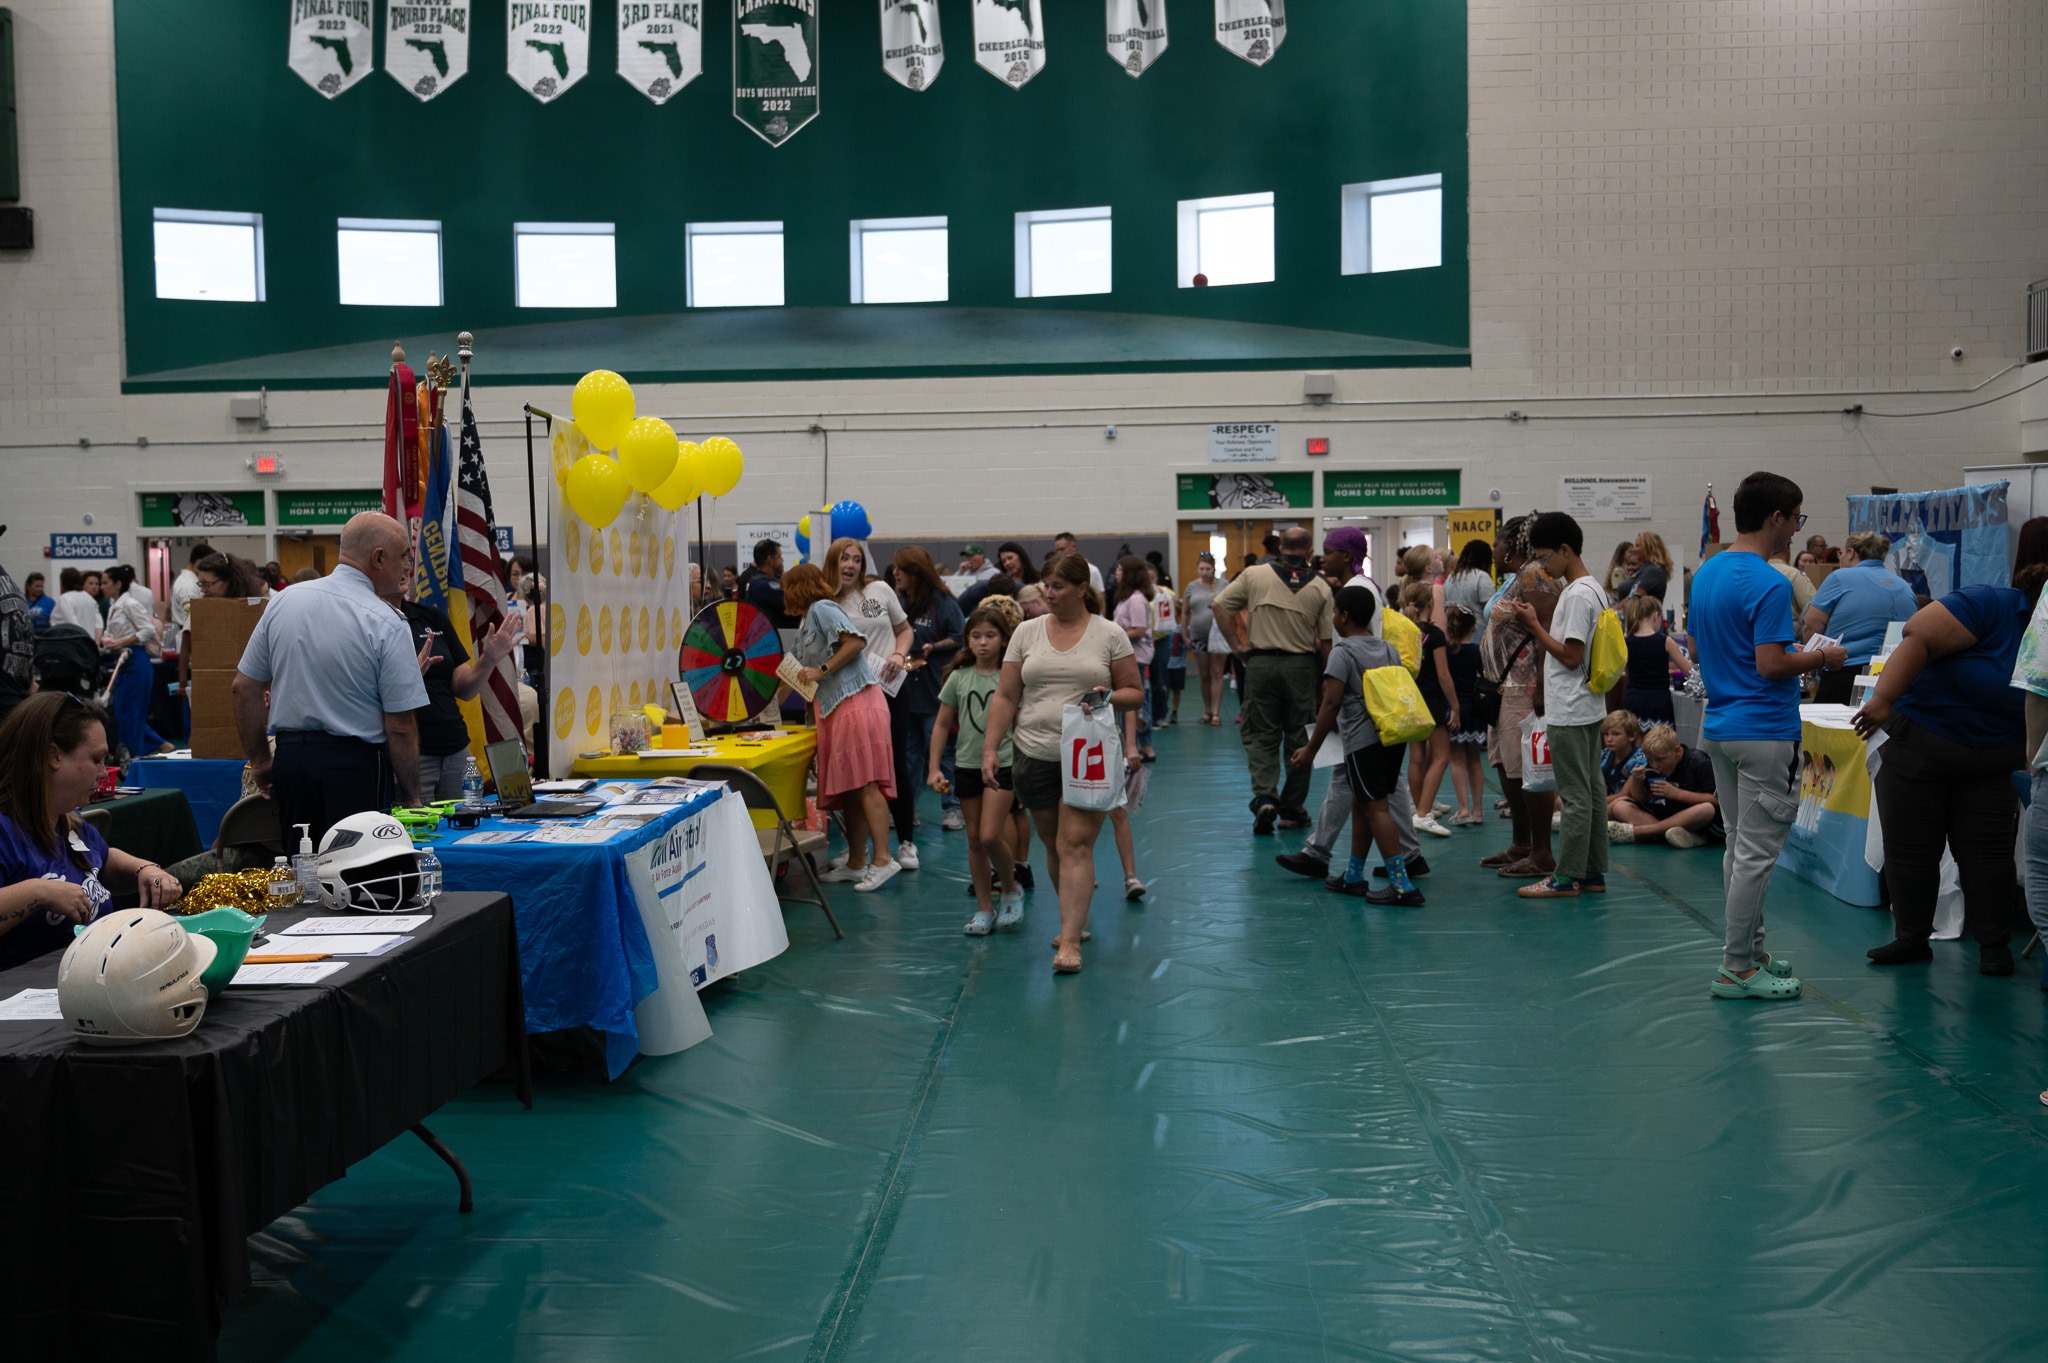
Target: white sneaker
(840,873)
(982,924)
(954,821)
(906,855)
(878,876)
(1425,823)
(1439,809)
(836,862)
(1683,837)
(1010,909)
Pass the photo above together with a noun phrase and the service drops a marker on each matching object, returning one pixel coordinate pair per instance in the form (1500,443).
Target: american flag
(476,533)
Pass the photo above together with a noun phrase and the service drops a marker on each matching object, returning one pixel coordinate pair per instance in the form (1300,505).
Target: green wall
(211,117)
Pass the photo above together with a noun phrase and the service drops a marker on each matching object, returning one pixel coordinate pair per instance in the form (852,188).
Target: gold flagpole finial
(397,353)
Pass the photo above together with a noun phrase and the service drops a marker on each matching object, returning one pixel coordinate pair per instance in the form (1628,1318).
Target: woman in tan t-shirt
(1071,655)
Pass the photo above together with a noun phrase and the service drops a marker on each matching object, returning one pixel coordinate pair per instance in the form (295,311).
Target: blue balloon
(803,547)
(850,519)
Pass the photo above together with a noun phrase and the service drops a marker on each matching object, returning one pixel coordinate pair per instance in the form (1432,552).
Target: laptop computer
(507,762)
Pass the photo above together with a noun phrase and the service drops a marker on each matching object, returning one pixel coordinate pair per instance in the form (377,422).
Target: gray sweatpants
(1330,819)
(1758,782)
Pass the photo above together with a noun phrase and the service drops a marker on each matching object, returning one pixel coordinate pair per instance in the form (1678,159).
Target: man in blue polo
(1742,620)
(344,681)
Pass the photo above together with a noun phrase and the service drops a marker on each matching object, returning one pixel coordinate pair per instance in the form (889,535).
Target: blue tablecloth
(584,959)
(210,787)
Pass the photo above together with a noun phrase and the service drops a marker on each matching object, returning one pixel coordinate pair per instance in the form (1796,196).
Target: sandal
(1064,964)
(1507,858)
(1763,986)
(1776,965)
(982,924)
(1134,889)
(1086,936)
(1525,870)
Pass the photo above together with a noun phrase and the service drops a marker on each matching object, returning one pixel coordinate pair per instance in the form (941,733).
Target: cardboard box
(213,712)
(220,631)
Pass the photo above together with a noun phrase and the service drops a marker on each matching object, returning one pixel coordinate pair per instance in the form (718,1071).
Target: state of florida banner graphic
(617,614)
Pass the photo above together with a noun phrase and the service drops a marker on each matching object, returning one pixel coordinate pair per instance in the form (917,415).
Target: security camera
(1955,352)
(1109,432)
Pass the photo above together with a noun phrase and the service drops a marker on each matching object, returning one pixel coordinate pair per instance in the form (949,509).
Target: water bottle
(472,781)
(430,877)
(282,889)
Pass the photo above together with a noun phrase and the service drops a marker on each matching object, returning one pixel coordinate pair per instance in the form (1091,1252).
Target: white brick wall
(1669,197)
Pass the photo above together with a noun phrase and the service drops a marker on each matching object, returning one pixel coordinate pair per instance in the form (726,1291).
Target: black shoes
(1418,867)
(1302,864)
(1994,959)
(1387,894)
(1901,952)
(1295,819)
(1024,874)
(1263,816)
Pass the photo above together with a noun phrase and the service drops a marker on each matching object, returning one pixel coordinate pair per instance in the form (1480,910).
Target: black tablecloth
(155,825)
(130,1177)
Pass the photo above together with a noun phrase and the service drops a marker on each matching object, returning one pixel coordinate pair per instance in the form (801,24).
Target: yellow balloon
(596,490)
(722,463)
(603,407)
(803,527)
(684,484)
(648,453)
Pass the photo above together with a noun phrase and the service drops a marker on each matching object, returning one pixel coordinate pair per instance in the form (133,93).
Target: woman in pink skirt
(856,760)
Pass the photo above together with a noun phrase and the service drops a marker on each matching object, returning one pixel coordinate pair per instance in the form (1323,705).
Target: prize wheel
(728,661)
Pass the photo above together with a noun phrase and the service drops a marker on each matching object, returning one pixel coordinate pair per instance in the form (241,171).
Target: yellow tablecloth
(781,762)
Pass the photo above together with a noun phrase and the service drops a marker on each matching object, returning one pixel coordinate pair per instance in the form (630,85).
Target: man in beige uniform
(1279,616)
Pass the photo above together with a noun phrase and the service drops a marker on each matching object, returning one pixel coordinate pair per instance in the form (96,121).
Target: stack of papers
(350,935)
(31,1005)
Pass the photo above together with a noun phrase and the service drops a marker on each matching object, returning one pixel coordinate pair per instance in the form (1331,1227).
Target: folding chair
(101,819)
(251,822)
(782,844)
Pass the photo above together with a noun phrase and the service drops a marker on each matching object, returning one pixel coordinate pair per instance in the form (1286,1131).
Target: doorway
(318,552)
(1228,540)
(1387,536)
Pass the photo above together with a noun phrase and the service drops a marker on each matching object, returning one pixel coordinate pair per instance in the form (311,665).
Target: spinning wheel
(728,661)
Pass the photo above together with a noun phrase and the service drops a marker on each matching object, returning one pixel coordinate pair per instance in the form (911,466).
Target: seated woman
(1670,797)
(1621,741)
(53,748)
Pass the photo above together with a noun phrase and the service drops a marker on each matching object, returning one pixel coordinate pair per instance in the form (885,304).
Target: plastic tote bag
(1091,759)
(1395,703)
(1536,773)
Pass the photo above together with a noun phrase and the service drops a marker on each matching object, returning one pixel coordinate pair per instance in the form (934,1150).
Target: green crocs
(1762,986)
(1775,965)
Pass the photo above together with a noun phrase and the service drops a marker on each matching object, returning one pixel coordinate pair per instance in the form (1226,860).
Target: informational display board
(327,508)
(747,534)
(620,609)
(1245,442)
(1470,523)
(93,548)
(1605,496)
(704,889)
(1956,537)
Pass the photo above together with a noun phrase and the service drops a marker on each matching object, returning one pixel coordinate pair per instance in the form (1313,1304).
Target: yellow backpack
(1606,654)
(1395,703)
(1406,637)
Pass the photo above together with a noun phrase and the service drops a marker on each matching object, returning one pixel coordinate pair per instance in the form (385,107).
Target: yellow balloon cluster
(603,406)
(722,464)
(648,453)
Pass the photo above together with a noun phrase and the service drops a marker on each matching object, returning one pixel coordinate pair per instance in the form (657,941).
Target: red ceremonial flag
(476,536)
(401,435)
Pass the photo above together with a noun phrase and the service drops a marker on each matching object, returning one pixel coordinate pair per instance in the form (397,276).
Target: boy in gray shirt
(1372,768)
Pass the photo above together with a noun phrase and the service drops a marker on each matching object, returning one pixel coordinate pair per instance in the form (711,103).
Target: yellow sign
(1473,523)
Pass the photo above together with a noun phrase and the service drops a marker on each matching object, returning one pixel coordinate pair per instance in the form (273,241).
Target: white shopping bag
(1091,758)
(1536,773)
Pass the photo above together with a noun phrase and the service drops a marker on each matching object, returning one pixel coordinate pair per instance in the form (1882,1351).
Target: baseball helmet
(367,863)
(133,976)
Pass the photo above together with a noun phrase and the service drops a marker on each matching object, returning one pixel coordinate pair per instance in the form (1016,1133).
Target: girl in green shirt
(963,707)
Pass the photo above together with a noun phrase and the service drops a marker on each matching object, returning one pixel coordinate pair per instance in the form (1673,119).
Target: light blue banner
(1941,540)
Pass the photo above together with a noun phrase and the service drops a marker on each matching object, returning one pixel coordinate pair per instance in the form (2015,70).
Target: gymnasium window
(1062,252)
(735,264)
(566,264)
(899,260)
(1394,225)
(389,262)
(211,257)
(1229,240)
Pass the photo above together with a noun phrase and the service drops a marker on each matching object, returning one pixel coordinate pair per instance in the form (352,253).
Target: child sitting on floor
(1621,738)
(1670,797)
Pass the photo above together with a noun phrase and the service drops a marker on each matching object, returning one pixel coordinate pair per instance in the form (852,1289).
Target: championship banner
(912,51)
(619,611)
(775,66)
(331,43)
(661,46)
(1941,540)
(426,45)
(1009,40)
(547,46)
(1252,29)
(1137,33)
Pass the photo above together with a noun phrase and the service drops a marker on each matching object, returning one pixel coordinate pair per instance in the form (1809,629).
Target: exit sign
(1318,444)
